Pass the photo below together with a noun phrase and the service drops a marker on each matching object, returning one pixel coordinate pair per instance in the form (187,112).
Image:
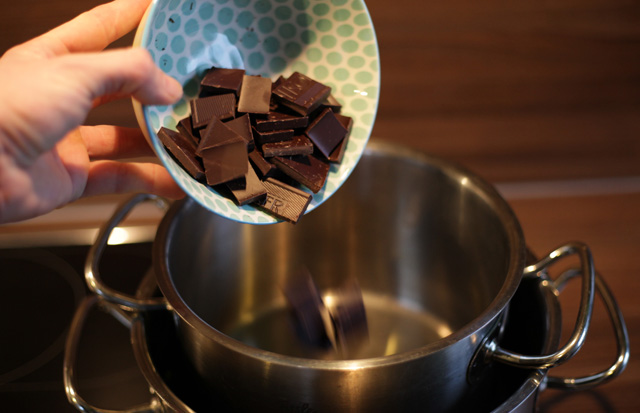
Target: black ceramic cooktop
(39,291)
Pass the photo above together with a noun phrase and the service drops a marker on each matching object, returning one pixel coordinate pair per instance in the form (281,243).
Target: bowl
(331,41)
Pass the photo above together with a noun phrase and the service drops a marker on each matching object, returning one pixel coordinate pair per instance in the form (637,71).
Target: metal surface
(532,326)
(437,253)
(584,315)
(621,334)
(92,270)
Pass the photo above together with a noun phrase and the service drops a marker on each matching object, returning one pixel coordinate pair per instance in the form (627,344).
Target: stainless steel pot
(533,325)
(437,252)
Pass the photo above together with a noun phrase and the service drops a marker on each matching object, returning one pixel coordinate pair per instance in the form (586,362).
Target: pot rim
(481,187)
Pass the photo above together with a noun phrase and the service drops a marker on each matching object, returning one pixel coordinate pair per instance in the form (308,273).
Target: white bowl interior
(332,41)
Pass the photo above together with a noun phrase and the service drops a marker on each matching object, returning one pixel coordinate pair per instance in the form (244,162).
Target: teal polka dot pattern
(332,41)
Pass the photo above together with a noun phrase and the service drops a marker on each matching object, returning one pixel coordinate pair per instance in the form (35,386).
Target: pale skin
(47,87)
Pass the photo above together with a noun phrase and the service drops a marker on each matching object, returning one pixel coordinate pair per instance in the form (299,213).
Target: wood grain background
(520,92)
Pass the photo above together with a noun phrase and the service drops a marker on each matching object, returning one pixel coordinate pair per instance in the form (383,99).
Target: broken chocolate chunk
(203,109)
(223,152)
(217,133)
(349,316)
(225,162)
(255,95)
(183,151)
(284,201)
(301,93)
(298,145)
(248,189)
(279,121)
(274,136)
(338,153)
(263,168)
(331,103)
(326,132)
(185,127)
(311,318)
(308,170)
(219,81)
(242,126)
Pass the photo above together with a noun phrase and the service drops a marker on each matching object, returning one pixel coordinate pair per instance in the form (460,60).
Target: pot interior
(432,247)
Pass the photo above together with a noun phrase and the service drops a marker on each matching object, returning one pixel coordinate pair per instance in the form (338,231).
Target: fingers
(93,30)
(112,177)
(122,72)
(113,142)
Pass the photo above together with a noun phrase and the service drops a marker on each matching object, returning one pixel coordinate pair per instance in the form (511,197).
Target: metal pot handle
(71,350)
(591,279)
(622,339)
(91,269)
(579,334)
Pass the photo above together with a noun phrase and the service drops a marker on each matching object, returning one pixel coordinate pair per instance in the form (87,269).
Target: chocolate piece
(309,312)
(274,136)
(219,81)
(326,132)
(308,170)
(225,163)
(264,168)
(301,93)
(279,121)
(183,151)
(220,106)
(223,152)
(338,153)
(298,145)
(242,126)
(349,316)
(217,133)
(255,95)
(248,189)
(331,103)
(284,201)
(185,127)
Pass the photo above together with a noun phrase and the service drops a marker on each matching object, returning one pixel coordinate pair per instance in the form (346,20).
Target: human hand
(47,87)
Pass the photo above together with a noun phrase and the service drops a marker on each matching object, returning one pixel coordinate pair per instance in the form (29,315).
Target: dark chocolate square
(219,81)
(309,170)
(301,93)
(326,132)
(183,150)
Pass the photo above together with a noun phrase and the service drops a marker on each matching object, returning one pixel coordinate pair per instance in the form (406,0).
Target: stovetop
(41,288)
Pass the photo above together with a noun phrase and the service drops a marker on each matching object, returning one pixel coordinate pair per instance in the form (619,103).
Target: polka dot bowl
(332,41)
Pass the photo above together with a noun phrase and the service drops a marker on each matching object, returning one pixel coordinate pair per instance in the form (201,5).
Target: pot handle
(71,350)
(622,339)
(91,269)
(579,334)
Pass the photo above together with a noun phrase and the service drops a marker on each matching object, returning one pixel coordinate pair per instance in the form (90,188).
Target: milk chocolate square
(203,109)
(255,95)
(284,201)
